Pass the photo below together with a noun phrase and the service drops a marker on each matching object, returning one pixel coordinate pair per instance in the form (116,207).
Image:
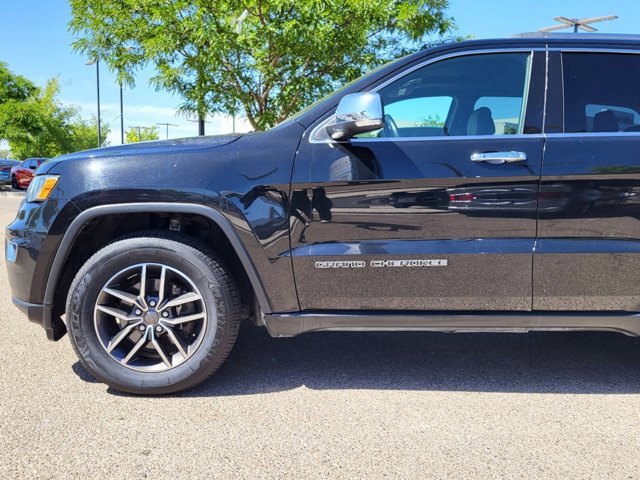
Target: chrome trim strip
(592,134)
(593,49)
(452,137)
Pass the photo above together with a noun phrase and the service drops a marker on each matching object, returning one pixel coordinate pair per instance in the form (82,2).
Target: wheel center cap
(151,317)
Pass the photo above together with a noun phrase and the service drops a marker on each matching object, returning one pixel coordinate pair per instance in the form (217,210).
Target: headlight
(41,187)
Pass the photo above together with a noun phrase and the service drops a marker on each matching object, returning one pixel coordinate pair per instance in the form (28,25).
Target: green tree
(430,121)
(34,121)
(84,133)
(142,134)
(264,59)
(18,115)
(14,87)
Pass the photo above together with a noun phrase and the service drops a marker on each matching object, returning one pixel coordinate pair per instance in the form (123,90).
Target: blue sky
(35,43)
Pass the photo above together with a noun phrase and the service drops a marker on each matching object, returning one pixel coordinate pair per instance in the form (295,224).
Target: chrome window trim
(453,137)
(604,49)
(548,48)
(591,134)
(322,124)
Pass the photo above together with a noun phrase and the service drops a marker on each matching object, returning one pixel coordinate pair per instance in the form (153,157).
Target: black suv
(480,186)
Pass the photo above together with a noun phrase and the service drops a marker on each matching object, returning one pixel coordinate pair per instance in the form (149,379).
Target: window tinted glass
(506,112)
(471,95)
(423,116)
(601,92)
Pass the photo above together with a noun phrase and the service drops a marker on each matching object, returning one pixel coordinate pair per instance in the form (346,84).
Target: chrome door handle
(498,158)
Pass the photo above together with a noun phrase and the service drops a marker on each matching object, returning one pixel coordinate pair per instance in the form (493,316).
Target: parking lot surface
(331,405)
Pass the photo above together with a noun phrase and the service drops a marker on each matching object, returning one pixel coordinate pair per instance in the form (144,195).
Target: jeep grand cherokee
(479,186)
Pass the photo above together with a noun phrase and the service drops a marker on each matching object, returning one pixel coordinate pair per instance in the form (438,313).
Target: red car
(21,175)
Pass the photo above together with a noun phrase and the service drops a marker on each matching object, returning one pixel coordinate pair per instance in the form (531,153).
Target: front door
(437,211)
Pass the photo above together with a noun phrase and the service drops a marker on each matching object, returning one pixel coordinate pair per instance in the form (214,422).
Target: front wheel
(153,314)
(14,183)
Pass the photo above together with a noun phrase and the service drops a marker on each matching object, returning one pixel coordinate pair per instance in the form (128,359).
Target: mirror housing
(357,113)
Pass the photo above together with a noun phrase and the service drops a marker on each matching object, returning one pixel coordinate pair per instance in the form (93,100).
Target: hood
(146,148)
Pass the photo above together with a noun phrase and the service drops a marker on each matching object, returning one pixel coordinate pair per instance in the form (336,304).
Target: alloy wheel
(150,317)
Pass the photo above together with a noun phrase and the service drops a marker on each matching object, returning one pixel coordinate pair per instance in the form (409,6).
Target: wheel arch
(73,233)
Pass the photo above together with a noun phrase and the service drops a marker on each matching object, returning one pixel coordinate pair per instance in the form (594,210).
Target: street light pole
(167,125)
(98,91)
(121,117)
(97,62)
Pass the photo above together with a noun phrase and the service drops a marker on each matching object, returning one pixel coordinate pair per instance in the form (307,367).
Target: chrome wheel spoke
(163,278)
(141,343)
(159,349)
(177,341)
(127,298)
(181,300)
(143,286)
(121,335)
(185,319)
(116,312)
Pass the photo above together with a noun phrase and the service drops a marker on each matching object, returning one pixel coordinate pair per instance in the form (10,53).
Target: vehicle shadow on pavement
(567,362)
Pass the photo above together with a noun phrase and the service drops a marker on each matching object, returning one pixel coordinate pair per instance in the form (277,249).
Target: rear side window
(601,92)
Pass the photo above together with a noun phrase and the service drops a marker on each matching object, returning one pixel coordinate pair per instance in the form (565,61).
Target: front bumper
(30,244)
(19,253)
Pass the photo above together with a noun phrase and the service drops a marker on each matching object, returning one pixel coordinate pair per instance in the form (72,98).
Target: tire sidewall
(113,259)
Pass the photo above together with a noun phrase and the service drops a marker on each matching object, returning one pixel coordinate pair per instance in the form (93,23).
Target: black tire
(213,281)
(14,183)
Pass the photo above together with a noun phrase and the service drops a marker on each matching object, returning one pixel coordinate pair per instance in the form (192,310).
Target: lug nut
(152,303)
(142,328)
(138,311)
(159,329)
(165,314)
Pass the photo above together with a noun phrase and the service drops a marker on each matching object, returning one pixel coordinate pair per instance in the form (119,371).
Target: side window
(482,94)
(506,113)
(423,116)
(601,92)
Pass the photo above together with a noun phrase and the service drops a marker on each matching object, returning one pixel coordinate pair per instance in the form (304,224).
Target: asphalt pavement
(331,405)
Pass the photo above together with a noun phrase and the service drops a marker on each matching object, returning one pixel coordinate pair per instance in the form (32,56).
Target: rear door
(588,253)
(438,210)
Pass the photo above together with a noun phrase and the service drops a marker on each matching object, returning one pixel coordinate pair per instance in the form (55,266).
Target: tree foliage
(142,134)
(262,58)
(36,124)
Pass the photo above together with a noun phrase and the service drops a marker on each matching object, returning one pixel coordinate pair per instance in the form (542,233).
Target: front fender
(161,207)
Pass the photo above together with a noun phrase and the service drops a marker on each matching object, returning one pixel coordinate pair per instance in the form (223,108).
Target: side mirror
(357,113)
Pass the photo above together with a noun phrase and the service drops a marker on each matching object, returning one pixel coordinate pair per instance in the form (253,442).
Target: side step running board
(290,325)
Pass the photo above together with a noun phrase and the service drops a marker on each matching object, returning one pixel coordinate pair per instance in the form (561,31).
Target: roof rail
(579,36)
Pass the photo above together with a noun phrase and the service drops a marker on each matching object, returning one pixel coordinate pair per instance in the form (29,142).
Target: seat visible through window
(605,121)
(481,122)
